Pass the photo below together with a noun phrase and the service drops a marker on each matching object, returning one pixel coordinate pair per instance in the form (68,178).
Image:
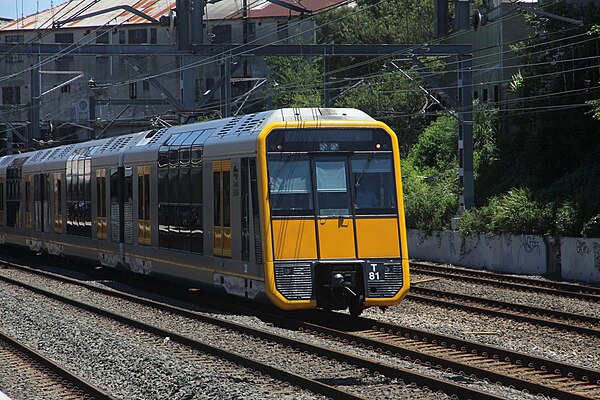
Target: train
(298,207)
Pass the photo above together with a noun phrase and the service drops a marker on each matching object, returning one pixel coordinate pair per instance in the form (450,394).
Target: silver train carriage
(299,207)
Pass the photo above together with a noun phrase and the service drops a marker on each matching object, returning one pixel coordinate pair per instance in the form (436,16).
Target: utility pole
(34,111)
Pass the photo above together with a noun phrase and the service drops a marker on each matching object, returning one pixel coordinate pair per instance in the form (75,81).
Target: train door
(222,207)
(334,212)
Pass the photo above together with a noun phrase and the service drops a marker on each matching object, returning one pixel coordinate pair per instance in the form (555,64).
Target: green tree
(296,81)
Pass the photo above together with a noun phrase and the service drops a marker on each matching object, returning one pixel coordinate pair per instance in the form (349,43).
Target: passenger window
(144,223)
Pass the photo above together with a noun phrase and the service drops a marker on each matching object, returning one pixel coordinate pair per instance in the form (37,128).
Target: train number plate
(375,272)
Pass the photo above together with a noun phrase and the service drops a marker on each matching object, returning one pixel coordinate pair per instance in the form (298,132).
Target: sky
(8,8)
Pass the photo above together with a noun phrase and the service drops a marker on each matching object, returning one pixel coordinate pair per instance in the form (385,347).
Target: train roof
(237,133)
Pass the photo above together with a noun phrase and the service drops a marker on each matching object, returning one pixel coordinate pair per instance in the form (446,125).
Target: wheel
(356,306)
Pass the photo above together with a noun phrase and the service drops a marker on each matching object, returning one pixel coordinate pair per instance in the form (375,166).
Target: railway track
(566,289)
(44,378)
(393,374)
(532,374)
(540,316)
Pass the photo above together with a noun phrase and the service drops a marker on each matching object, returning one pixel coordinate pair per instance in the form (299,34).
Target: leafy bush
(435,152)
(567,220)
(429,203)
(516,212)
(592,227)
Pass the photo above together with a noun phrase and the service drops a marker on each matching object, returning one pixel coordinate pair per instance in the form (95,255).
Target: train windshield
(333,177)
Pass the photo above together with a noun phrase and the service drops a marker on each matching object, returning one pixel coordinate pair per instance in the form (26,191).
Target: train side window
(128,205)
(245,210)
(255,212)
(101,221)
(115,204)
(2,202)
(226,199)
(144,223)
(28,199)
(58,221)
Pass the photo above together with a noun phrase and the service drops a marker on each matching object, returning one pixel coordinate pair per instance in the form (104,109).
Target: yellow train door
(222,207)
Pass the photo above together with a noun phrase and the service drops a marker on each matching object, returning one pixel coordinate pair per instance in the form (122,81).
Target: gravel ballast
(218,336)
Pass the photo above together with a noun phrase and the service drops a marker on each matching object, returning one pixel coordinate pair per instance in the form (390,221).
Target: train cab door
(221,183)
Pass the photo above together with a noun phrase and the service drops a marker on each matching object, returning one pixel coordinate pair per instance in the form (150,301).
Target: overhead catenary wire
(180,70)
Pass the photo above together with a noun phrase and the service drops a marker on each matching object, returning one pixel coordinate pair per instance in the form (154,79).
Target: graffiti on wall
(530,244)
(596,247)
(582,248)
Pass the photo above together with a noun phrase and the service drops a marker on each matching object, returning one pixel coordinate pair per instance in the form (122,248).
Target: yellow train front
(299,207)
(331,194)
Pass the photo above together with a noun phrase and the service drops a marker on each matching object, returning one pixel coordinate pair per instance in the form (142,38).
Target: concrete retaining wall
(520,254)
(576,259)
(580,259)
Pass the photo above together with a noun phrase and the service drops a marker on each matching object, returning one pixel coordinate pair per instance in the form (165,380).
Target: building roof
(215,10)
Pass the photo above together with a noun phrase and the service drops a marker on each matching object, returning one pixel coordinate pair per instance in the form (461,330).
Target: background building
(135,78)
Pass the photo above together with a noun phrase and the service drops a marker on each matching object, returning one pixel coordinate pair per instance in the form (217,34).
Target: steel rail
(565,289)
(393,372)
(309,384)
(78,382)
(444,363)
(496,308)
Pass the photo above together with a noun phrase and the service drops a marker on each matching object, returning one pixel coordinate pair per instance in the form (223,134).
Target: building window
(11,95)
(63,37)
(282,30)
(485,95)
(133,90)
(153,39)
(251,31)
(13,39)
(65,89)
(222,34)
(102,37)
(138,36)
(121,37)
(146,86)
(496,94)
(198,89)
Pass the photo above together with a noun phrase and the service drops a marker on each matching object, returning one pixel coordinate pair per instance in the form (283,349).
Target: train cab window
(290,185)
(332,187)
(373,184)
